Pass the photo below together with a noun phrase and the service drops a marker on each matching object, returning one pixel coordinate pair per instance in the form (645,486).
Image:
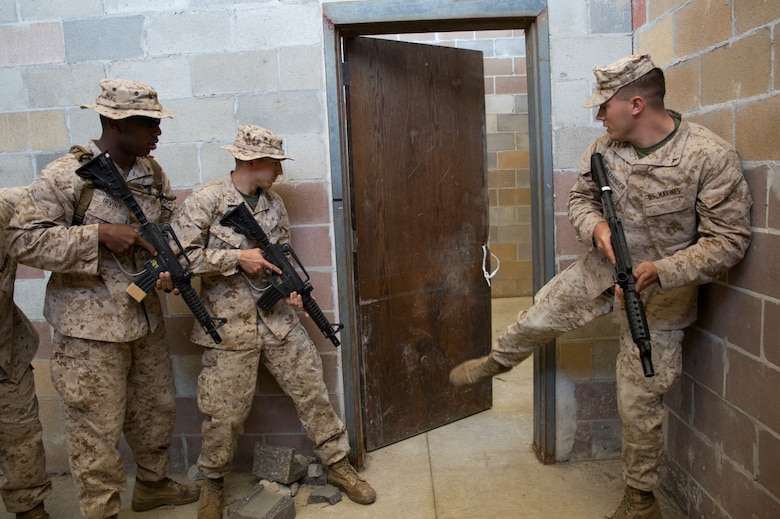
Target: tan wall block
(504,250)
(512,85)
(511,288)
(492,198)
(498,66)
(701,24)
(521,66)
(514,159)
(524,215)
(48,131)
(657,41)
(502,178)
(14,130)
(737,71)
(575,359)
(777,66)
(513,269)
(514,197)
(658,7)
(42,374)
(757,128)
(754,13)
(503,216)
(175,304)
(490,86)
(682,86)
(50,415)
(719,121)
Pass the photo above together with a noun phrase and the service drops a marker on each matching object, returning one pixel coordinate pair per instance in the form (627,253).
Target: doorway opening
(528,19)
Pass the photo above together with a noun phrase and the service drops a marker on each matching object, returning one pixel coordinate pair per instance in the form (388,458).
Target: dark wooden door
(416,123)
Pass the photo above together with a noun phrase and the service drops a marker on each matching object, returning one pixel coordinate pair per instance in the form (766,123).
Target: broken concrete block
(315,470)
(325,494)
(315,475)
(277,464)
(263,504)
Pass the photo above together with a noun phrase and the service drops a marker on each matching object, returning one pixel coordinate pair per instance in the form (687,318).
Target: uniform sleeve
(40,232)
(8,197)
(723,207)
(192,223)
(585,206)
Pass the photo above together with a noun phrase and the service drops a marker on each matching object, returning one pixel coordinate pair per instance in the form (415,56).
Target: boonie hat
(254,142)
(613,77)
(123,98)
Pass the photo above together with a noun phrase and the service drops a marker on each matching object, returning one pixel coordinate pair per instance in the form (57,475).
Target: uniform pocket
(105,209)
(671,221)
(67,367)
(222,237)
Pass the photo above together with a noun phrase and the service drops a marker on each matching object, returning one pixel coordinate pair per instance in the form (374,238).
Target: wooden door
(416,124)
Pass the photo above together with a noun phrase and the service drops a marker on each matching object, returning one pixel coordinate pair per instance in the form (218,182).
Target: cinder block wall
(722,63)
(582,35)
(215,65)
(219,64)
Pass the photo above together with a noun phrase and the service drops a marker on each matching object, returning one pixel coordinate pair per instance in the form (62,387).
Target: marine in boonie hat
(123,98)
(255,142)
(613,77)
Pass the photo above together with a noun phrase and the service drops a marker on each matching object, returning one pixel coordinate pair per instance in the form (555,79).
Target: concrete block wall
(215,65)
(722,63)
(582,35)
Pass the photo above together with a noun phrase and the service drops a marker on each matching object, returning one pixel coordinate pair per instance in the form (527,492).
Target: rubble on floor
(280,472)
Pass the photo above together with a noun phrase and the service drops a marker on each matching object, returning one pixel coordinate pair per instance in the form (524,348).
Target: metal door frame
(346,19)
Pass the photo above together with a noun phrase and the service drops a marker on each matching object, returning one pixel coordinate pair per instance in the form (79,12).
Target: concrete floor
(481,467)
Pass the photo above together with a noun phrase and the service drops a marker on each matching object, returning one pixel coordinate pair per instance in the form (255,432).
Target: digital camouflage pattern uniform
(227,382)
(22,460)
(684,207)
(111,365)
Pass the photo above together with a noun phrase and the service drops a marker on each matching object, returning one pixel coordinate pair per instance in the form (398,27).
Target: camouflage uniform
(227,382)
(22,458)
(111,365)
(685,208)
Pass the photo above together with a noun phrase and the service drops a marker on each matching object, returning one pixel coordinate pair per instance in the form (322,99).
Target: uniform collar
(235,198)
(669,155)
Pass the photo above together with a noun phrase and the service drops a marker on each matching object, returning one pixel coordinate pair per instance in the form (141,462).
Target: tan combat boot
(36,512)
(210,503)
(344,476)
(167,492)
(476,370)
(636,504)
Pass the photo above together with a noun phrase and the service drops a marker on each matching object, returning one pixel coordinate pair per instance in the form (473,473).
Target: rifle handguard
(635,310)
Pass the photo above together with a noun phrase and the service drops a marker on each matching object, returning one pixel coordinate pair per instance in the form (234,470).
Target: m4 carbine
(104,174)
(635,309)
(282,285)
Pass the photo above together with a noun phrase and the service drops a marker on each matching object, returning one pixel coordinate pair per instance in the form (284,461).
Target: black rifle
(635,309)
(103,174)
(241,219)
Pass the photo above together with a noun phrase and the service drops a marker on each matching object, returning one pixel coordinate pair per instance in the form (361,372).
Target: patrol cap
(254,142)
(123,98)
(613,77)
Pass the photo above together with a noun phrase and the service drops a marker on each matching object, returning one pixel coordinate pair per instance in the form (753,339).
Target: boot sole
(151,505)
